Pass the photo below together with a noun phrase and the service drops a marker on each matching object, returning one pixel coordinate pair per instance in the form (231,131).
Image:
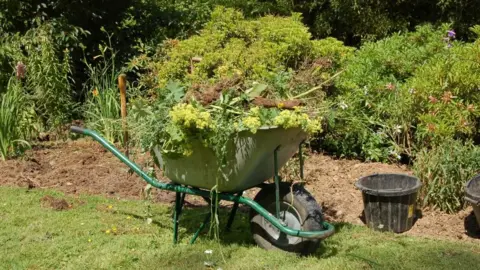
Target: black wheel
(298,210)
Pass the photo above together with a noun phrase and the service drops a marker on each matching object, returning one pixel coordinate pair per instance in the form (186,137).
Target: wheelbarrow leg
(179,200)
(233,212)
(206,219)
(202,226)
(182,202)
(276,177)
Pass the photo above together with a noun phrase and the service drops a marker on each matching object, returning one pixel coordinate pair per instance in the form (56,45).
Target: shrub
(355,22)
(231,47)
(444,170)
(446,93)
(404,93)
(102,110)
(373,116)
(46,75)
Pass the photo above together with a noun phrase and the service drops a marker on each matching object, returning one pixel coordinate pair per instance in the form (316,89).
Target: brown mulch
(332,182)
(207,94)
(85,167)
(78,167)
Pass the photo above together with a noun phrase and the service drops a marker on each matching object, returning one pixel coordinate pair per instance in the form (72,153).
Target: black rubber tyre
(302,213)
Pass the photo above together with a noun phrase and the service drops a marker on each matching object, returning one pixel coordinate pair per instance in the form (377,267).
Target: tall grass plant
(444,170)
(102,107)
(17,120)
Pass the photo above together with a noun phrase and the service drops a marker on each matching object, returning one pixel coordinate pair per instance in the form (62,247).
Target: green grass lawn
(105,233)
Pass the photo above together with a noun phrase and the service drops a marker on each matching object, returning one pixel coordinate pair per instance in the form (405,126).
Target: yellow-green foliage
(190,117)
(297,118)
(230,45)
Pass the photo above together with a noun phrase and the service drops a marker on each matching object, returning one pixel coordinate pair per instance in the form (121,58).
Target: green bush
(404,93)
(233,47)
(46,79)
(131,21)
(373,116)
(444,170)
(446,93)
(355,22)
(48,76)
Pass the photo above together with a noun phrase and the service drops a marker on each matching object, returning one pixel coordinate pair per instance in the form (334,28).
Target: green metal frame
(237,199)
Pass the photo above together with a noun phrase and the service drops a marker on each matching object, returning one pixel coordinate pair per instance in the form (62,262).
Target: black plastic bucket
(389,201)
(472,195)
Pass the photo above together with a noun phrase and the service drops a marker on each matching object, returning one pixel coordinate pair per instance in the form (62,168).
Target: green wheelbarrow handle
(328,231)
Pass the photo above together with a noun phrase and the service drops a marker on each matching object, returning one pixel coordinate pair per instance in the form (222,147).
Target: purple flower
(449,45)
(451,33)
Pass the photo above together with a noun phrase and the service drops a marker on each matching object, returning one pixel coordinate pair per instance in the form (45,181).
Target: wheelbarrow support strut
(183,190)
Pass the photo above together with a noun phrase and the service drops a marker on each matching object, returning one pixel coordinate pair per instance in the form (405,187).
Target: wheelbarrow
(283,215)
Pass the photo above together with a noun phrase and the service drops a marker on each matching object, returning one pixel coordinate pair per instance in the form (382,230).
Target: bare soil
(85,167)
(77,167)
(332,182)
(55,203)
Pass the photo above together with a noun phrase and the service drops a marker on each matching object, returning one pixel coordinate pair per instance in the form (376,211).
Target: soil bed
(85,167)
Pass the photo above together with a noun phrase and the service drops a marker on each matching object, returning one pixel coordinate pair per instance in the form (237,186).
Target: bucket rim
(388,193)
(471,197)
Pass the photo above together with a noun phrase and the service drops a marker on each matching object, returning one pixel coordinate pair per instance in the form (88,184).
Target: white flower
(343,105)
(397,129)
(411,91)
(208,251)
(209,264)
(365,90)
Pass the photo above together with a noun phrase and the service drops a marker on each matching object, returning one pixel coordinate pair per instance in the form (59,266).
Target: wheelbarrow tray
(250,160)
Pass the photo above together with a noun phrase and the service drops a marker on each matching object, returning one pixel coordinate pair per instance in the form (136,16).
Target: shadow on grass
(192,216)
(239,234)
